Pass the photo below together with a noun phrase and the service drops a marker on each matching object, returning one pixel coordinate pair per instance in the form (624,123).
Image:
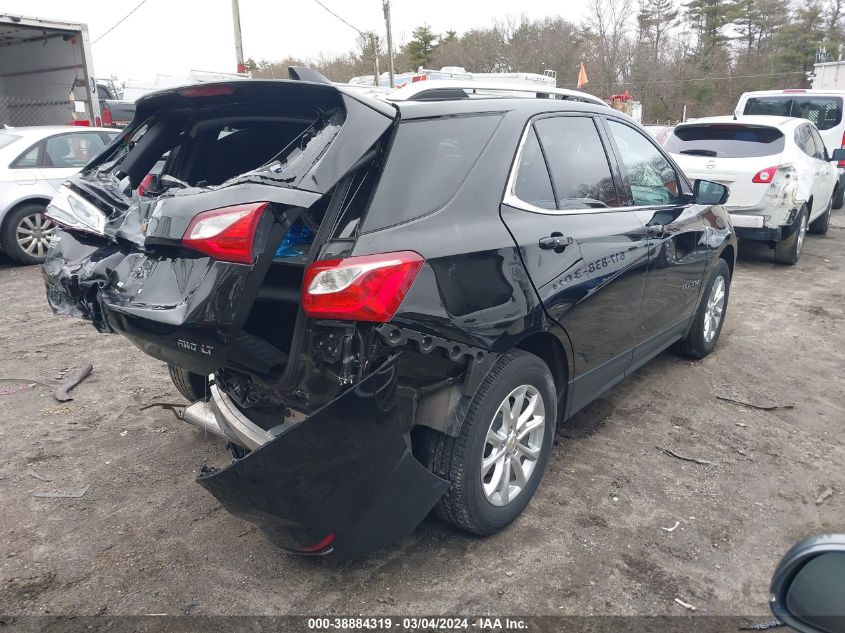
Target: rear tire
(704,331)
(788,250)
(192,386)
(820,225)
(483,501)
(26,234)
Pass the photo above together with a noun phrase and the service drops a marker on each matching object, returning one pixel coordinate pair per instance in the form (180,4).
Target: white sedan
(34,162)
(781,180)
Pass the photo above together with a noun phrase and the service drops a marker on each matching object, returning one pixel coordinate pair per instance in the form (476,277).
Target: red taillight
(765,176)
(107,119)
(365,288)
(145,185)
(207,91)
(226,234)
(841,163)
(81,123)
(318,547)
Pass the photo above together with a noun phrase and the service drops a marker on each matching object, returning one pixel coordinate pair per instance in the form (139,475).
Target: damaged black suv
(387,303)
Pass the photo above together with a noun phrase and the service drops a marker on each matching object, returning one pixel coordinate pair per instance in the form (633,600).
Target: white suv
(780,177)
(822,107)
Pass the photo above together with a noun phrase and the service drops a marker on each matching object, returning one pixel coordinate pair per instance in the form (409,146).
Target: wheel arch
(551,351)
(728,253)
(17,205)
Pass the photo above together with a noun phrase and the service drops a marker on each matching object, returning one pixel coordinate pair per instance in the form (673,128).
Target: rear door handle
(556,241)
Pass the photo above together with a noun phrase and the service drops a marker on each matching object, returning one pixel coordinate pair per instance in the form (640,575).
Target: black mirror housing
(710,193)
(808,585)
(838,154)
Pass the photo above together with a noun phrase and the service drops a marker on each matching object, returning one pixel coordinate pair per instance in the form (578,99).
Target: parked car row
(776,154)
(781,180)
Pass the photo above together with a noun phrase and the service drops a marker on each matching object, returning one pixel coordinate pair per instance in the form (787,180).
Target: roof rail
(427,90)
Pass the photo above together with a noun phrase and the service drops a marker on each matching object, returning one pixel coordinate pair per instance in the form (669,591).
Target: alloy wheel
(802,231)
(33,234)
(513,445)
(715,308)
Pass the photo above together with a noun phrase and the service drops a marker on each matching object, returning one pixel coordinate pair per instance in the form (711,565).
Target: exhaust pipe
(219,416)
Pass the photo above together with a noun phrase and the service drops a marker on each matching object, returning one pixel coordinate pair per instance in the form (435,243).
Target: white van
(822,107)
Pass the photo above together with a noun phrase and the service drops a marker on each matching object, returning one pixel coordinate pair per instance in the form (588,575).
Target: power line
(360,32)
(671,81)
(120,21)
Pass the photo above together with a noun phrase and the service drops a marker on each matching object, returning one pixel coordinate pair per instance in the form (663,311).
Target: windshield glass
(825,112)
(726,141)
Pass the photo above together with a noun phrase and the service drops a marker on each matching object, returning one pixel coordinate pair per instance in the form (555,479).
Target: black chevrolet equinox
(387,303)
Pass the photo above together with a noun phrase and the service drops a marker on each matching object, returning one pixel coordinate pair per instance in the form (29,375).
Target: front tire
(497,460)
(839,197)
(710,315)
(788,250)
(27,233)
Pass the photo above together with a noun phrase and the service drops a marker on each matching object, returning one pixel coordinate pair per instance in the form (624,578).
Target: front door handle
(556,241)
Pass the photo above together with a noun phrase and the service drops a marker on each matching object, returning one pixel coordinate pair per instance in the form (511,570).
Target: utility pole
(239,47)
(386,6)
(374,45)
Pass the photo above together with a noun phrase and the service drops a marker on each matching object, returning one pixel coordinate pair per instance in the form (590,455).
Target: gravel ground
(596,539)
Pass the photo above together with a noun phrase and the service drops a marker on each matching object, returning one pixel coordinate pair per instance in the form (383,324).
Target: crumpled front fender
(346,471)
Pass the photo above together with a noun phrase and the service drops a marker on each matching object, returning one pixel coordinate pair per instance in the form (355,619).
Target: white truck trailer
(46,73)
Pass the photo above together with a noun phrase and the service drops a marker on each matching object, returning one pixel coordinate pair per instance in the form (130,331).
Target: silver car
(34,162)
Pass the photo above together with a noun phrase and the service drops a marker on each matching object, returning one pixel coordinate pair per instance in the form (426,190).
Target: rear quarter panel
(473,288)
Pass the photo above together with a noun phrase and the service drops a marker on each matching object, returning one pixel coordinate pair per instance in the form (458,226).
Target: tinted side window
(30,158)
(577,162)
(771,106)
(825,112)
(72,150)
(429,161)
(533,184)
(821,152)
(804,140)
(652,178)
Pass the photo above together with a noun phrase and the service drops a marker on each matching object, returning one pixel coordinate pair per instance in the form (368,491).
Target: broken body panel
(332,452)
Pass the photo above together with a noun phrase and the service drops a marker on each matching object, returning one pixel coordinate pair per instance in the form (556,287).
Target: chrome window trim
(512,200)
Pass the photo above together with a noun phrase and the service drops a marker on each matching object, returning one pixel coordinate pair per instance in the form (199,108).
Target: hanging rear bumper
(344,481)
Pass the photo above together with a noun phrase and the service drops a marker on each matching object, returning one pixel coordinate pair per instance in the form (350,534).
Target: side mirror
(838,154)
(709,192)
(809,584)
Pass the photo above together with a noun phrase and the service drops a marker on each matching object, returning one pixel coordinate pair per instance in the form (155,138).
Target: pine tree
(655,19)
(421,46)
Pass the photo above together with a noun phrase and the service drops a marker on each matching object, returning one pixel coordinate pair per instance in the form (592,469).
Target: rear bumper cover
(346,471)
(757,223)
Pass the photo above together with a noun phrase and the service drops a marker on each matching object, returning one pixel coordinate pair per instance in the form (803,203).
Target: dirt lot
(145,538)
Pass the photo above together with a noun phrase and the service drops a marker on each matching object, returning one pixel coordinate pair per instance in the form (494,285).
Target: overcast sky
(172,37)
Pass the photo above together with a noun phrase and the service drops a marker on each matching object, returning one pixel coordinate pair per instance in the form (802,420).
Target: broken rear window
(216,146)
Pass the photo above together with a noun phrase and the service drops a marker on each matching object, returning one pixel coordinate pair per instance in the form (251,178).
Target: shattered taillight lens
(364,288)
(227,234)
